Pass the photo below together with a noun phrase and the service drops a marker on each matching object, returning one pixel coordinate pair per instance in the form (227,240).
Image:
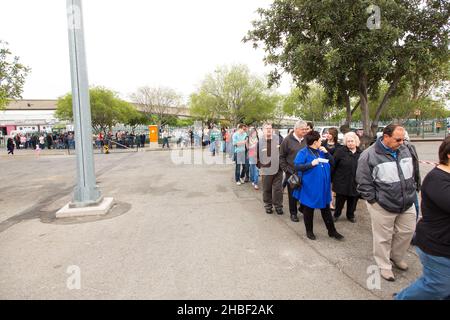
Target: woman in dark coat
(10,146)
(344,173)
(332,145)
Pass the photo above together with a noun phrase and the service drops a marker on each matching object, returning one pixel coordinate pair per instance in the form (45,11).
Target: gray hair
(352,135)
(300,124)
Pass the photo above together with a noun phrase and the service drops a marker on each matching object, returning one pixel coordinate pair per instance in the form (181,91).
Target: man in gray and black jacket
(385,178)
(291,145)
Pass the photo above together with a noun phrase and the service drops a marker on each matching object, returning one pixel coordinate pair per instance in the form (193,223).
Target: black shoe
(269,210)
(310,236)
(352,220)
(279,211)
(336,235)
(335,219)
(294,218)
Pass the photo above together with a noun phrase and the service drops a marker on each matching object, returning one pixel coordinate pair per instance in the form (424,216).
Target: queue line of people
(385,175)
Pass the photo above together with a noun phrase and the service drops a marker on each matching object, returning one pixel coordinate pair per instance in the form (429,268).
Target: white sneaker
(256,187)
(238,183)
(242,180)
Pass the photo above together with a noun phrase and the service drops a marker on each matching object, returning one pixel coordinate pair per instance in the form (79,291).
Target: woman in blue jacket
(315,162)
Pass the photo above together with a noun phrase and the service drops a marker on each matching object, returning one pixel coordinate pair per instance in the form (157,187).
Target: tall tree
(233,94)
(403,105)
(336,44)
(158,103)
(107,109)
(12,75)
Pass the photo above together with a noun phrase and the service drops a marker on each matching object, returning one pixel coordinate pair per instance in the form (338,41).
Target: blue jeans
(254,173)
(434,284)
(213,147)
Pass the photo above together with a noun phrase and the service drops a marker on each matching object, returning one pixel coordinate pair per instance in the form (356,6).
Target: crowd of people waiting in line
(120,140)
(385,175)
(329,175)
(41,141)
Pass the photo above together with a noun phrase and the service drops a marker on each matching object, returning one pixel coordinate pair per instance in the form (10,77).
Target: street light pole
(86,192)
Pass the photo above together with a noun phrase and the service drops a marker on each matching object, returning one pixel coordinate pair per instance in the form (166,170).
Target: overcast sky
(132,43)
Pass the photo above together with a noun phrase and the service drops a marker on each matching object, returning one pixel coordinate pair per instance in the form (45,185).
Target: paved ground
(177,232)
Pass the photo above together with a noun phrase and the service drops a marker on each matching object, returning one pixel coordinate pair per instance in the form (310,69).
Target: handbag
(295,181)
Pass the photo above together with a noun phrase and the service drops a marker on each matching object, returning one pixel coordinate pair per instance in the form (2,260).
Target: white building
(28,116)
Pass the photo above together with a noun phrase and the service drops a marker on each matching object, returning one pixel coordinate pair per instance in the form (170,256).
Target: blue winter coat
(316,181)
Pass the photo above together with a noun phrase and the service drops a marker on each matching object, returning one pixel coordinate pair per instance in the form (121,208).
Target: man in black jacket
(290,146)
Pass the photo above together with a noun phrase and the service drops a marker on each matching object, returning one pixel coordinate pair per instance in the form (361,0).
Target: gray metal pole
(86,192)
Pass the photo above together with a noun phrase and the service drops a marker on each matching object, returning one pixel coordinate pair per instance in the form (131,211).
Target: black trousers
(308,217)
(351,205)
(293,203)
(245,171)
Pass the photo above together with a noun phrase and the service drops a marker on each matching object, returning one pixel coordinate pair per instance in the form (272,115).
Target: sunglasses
(399,140)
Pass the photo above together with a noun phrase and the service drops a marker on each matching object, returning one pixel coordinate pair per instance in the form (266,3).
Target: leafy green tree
(107,109)
(309,106)
(203,107)
(403,105)
(132,117)
(233,94)
(12,76)
(334,43)
(185,122)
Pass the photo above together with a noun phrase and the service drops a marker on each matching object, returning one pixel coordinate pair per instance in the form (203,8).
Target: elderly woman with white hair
(344,174)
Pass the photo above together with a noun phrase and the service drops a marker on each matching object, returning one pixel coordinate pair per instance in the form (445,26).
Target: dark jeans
(293,203)
(240,171)
(241,163)
(245,171)
(308,217)
(351,205)
(273,190)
